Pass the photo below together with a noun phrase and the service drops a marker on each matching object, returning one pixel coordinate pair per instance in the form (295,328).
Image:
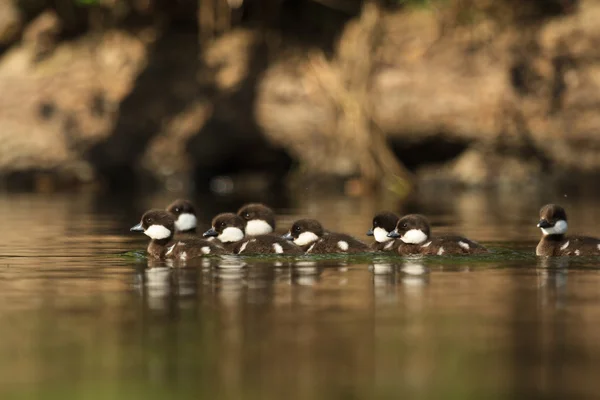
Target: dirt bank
(491,100)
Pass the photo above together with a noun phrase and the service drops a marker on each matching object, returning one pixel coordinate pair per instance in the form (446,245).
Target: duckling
(159,225)
(312,238)
(553,223)
(185,218)
(229,228)
(383,223)
(260,219)
(414,231)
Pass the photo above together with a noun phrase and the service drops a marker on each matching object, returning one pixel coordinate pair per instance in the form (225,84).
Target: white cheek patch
(257,227)
(185,221)
(157,232)
(381,235)
(306,238)
(342,245)
(231,235)
(464,245)
(277,248)
(559,228)
(414,236)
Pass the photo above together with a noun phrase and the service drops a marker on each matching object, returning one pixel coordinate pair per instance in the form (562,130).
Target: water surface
(81,316)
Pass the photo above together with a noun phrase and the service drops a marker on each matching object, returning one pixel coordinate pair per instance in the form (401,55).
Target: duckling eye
(297,228)
(405,225)
(149,220)
(247,215)
(176,209)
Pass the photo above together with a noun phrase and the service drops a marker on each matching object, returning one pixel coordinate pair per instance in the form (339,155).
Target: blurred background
(472,112)
(228,95)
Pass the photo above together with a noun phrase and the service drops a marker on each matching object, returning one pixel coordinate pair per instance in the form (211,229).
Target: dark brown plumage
(229,229)
(415,233)
(267,244)
(452,245)
(383,223)
(554,242)
(185,218)
(310,235)
(159,225)
(259,218)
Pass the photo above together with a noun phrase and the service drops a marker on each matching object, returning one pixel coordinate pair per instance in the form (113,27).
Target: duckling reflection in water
(231,263)
(414,268)
(382,268)
(552,280)
(385,288)
(306,272)
(154,284)
(230,284)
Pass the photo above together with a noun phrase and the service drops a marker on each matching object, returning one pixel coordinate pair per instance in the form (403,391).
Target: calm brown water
(80,319)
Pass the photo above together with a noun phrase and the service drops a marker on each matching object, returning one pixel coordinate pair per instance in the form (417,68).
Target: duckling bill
(384,223)
(159,226)
(229,229)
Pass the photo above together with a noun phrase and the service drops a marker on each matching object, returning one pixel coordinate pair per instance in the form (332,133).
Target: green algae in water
(135,255)
(498,257)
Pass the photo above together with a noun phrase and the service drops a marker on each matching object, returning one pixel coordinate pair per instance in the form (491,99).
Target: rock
(52,110)
(41,35)
(11,22)
(563,119)
(295,112)
(477,168)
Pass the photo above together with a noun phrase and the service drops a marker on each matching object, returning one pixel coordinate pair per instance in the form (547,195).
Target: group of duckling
(250,231)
